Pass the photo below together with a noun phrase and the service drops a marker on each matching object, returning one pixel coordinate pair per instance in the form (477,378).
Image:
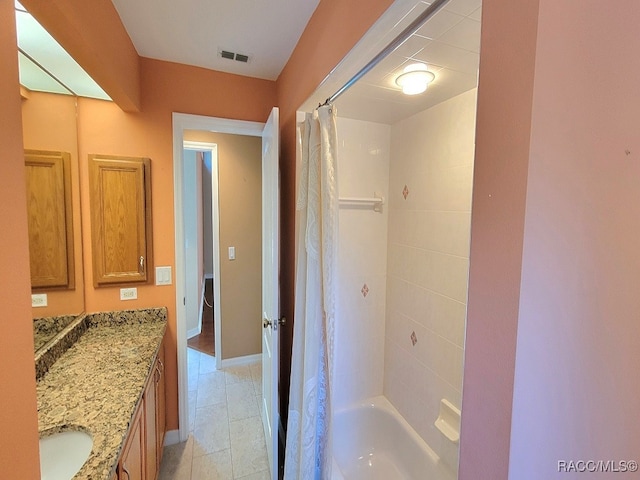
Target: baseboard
(171,437)
(237,361)
(208,276)
(193,332)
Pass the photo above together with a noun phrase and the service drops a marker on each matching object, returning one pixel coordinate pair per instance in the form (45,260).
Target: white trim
(201,309)
(171,437)
(182,122)
(237,361)
(198,330)
(209,276)
(217,124)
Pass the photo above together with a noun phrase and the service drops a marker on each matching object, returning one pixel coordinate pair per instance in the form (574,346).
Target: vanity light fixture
(414,79)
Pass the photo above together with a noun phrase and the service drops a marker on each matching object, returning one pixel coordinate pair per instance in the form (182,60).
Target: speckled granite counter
(51,351)
(97,383)
(46,328)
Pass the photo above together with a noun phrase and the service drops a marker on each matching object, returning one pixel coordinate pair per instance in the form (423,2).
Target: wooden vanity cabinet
(155,424)
(150,425)
(131,464)
(161,418)
(121,230)
(142,454)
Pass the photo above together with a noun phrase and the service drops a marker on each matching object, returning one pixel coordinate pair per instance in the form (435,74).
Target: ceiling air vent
(238,57)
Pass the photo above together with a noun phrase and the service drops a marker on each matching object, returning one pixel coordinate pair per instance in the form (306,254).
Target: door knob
(266,322)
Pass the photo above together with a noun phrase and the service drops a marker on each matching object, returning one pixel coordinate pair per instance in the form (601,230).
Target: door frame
(180,123)
(215,227)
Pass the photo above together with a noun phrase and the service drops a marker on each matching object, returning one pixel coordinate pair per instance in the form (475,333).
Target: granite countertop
(97,383)
(44,329)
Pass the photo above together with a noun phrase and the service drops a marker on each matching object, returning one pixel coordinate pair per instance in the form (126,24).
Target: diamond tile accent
(405,192)
(414,339)
(365,290)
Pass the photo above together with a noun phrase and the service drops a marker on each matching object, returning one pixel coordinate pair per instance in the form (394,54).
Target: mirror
(49,129)
(48,124)
(51,83)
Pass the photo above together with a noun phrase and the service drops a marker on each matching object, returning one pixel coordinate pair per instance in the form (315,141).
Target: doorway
(200,218)
(182,123)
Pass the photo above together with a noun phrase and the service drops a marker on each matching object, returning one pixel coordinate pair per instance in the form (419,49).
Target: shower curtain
(308,448)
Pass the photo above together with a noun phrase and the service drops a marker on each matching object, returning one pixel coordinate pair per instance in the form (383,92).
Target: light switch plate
(128,293)
(39,300)
(163,275)
(232,253)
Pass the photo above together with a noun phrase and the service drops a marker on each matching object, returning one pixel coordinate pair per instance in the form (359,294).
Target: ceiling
(449,43)
(194,32)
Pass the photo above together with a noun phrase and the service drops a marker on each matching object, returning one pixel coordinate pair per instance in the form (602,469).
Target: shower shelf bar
(355,202)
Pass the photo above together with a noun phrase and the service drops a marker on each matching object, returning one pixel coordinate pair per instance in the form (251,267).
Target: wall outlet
(39,300)
(128,293)
(163,275)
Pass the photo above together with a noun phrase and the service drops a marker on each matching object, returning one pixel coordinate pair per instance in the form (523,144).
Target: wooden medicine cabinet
(50,220)
(121,231)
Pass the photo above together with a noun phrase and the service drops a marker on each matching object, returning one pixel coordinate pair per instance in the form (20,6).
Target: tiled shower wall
(430,185)
(363,169)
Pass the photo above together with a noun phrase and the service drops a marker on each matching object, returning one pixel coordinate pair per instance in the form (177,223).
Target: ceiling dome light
(414,79)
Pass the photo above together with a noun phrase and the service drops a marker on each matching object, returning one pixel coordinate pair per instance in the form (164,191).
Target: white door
(270,297)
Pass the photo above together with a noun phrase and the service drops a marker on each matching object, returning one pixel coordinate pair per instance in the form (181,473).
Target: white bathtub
(372,441)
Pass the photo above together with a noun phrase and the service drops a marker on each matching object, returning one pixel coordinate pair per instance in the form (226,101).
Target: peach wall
(509,35)
(49,123)
(18,409)
(334,28)
(165,87)
(104,128)
(505,89)
(172,87)
(95,37)
(576,394)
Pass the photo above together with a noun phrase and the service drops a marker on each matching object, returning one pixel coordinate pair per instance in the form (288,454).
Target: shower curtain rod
(391,46)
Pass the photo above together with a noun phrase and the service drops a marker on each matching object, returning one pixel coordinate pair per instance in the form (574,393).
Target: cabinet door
(49,218)
(121,233)
(150,422)
(131,465)
(161,427)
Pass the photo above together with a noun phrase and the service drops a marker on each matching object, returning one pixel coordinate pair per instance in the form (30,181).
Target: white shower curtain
(308,449)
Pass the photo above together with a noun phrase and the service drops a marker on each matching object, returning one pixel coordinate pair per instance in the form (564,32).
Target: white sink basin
(63,454)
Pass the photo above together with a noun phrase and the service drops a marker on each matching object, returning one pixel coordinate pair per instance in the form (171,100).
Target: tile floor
(226,439)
